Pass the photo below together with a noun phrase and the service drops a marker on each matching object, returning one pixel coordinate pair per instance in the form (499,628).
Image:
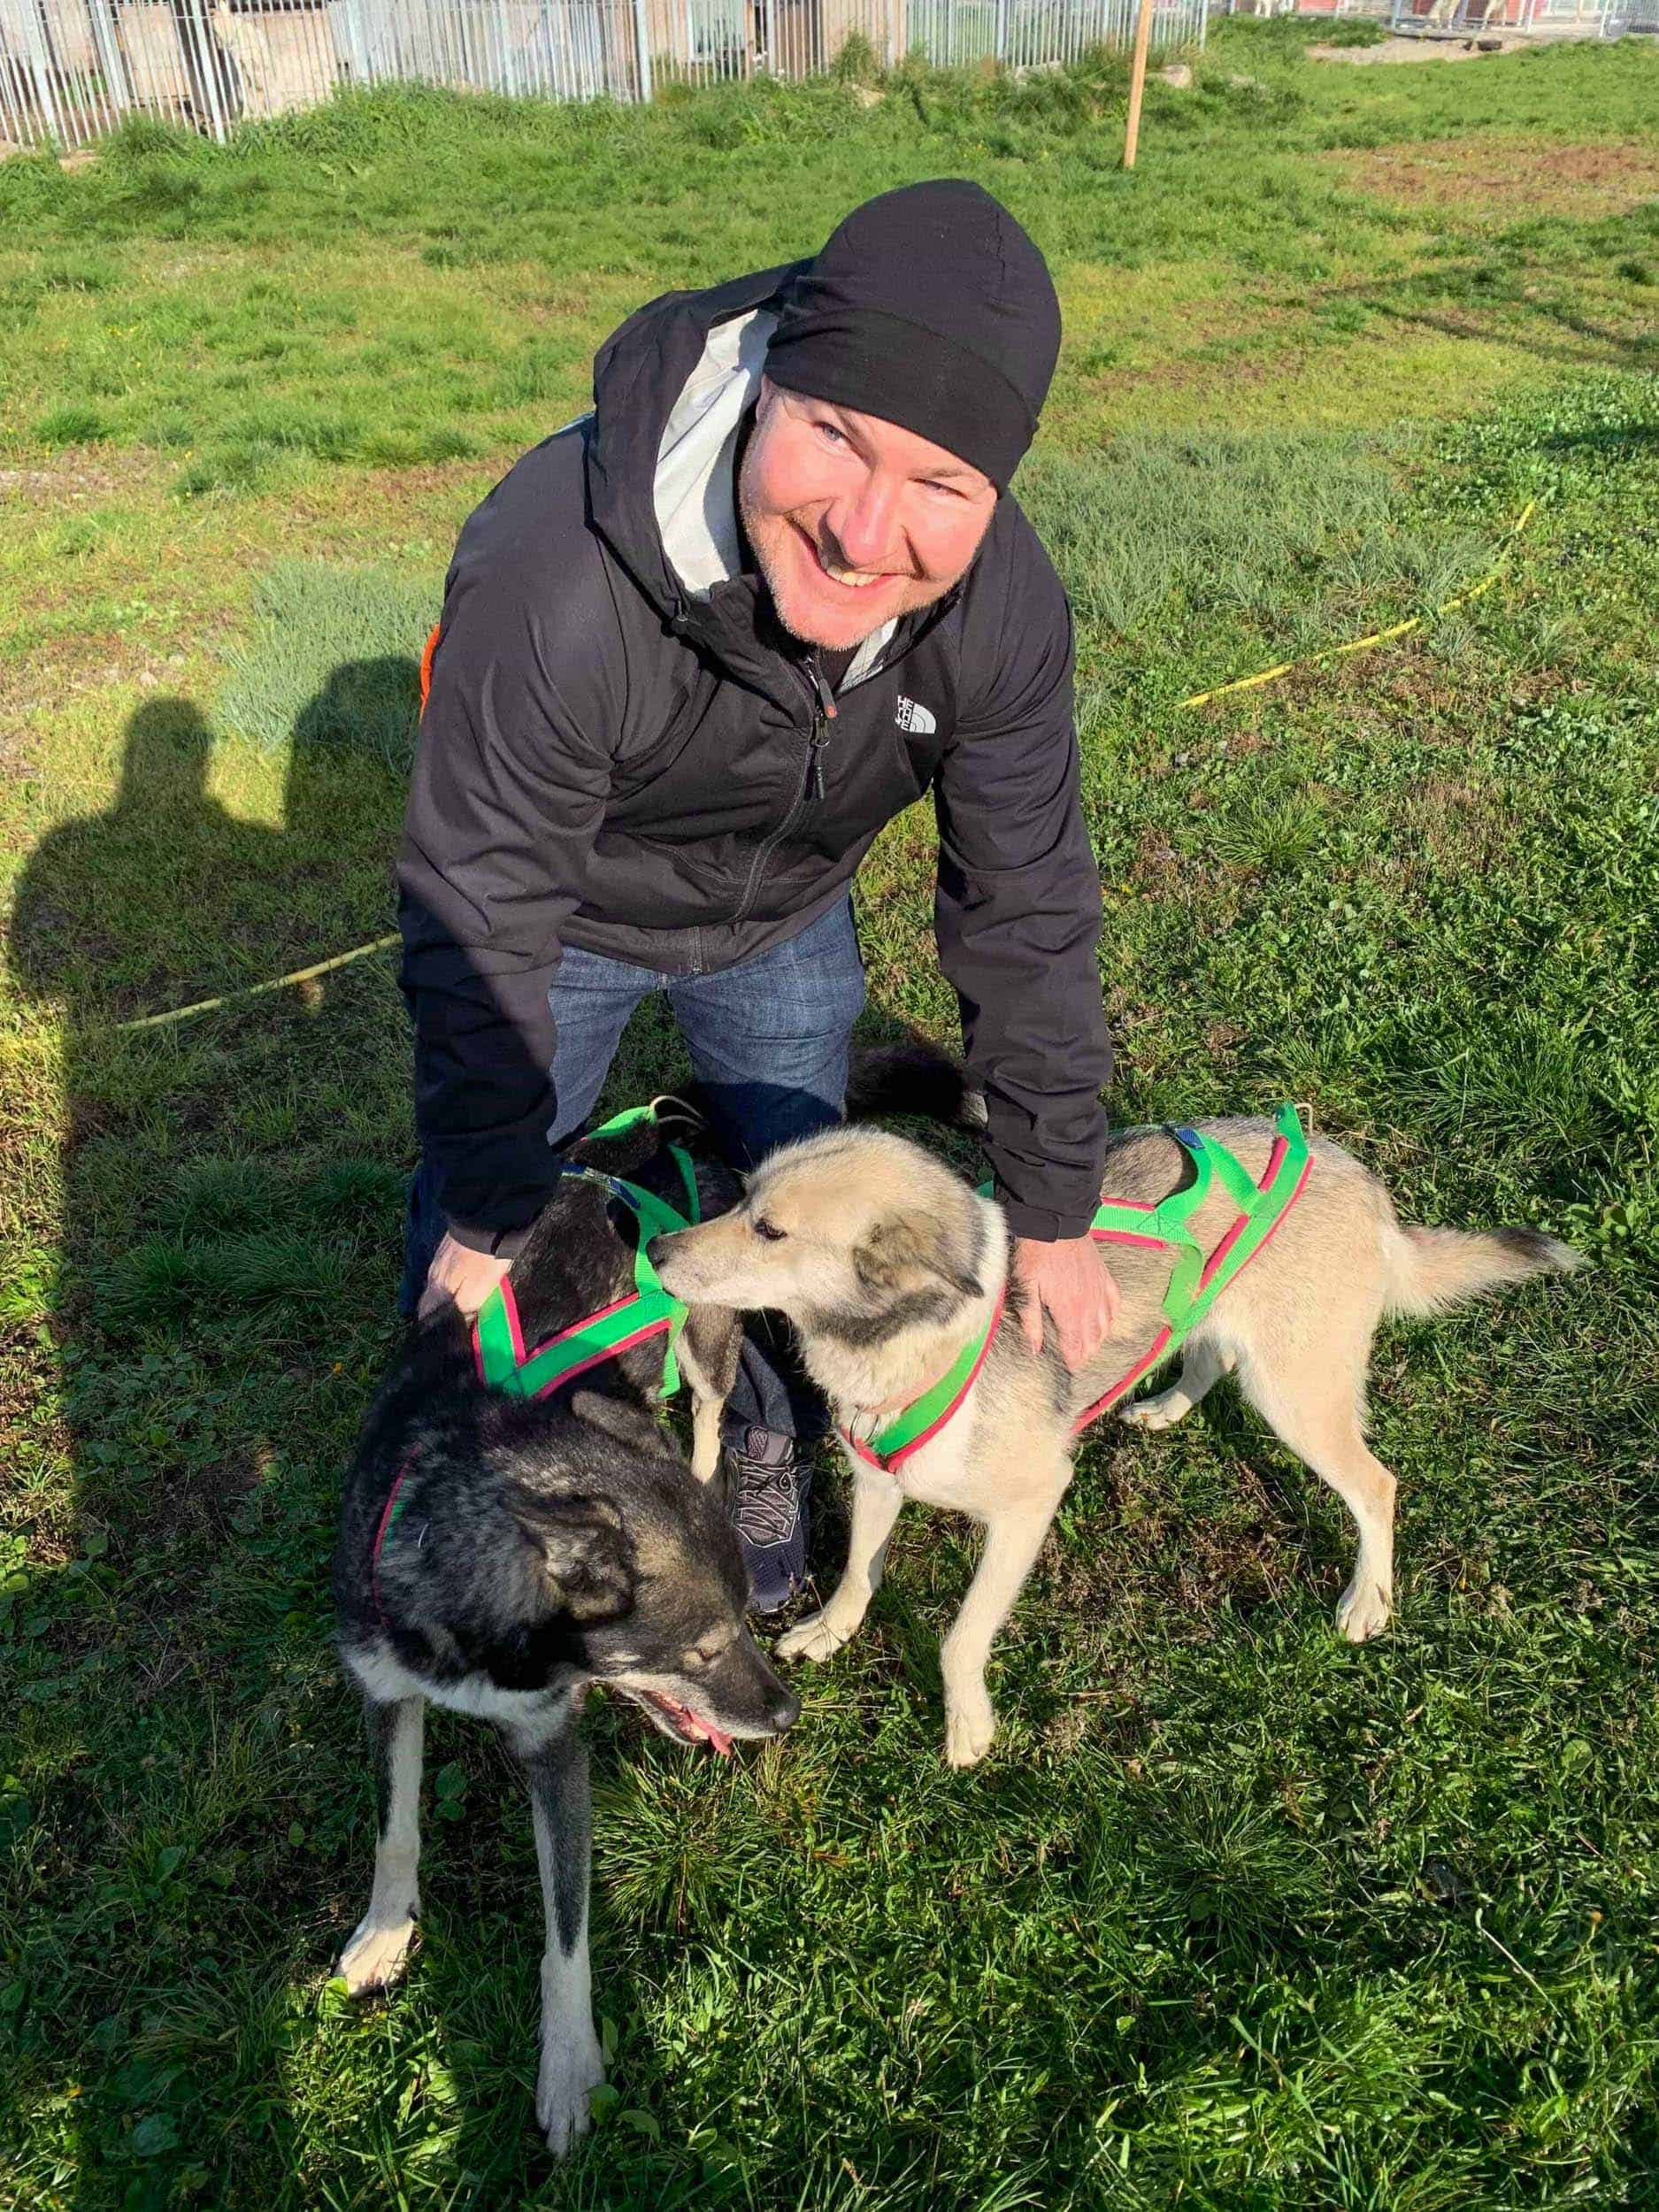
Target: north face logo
(911,717)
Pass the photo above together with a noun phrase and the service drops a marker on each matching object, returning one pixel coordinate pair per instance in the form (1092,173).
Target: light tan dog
(887,1264)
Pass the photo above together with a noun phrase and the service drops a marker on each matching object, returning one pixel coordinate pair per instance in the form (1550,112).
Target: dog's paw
(568,2075)
(1362,1609)
(815,1638)
(1161,1413)
(969,1728)
(376,1955)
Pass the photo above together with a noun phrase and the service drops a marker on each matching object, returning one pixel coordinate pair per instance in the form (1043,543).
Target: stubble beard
(757,525)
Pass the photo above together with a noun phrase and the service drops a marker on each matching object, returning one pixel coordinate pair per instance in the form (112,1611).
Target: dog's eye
(769,1230)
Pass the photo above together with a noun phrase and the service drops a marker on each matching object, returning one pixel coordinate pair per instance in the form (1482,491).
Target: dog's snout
(785,1708)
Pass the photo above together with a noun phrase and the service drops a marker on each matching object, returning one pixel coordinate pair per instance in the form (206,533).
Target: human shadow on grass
(225,1258)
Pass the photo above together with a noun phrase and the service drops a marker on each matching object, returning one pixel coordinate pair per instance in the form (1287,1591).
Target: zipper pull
(819,738)
(826,697)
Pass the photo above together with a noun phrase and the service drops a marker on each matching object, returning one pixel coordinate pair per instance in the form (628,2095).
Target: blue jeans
(769,1041)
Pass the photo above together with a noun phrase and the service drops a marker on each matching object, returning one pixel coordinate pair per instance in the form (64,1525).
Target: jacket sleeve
(509,789)
(1018,910)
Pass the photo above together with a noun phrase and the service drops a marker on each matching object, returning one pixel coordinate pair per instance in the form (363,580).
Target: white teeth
(853,576)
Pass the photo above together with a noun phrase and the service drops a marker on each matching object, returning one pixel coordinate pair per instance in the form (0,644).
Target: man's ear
(902,1246)
(586,1560)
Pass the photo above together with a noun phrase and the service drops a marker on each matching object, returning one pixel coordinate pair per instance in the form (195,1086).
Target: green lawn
(1235,1917)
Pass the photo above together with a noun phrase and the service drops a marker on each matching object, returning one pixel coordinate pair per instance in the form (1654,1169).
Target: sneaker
(768,1481)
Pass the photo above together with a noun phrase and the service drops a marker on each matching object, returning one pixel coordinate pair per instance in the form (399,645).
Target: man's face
(854,521)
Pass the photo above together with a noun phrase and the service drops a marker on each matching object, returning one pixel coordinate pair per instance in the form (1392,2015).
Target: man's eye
(828,430)
(769,1230)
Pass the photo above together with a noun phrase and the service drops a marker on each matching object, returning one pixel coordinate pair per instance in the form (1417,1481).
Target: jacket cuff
(1040,1222)
(502,1244)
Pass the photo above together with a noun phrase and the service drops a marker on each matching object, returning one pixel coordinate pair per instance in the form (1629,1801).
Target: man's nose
(862,528)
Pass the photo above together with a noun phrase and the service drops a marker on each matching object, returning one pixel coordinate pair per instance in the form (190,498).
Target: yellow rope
(254,990)
(1376,637)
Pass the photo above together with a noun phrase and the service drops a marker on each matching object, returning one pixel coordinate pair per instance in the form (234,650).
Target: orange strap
(426,664)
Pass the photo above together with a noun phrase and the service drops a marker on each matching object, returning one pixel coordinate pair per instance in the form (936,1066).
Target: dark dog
(500,1555)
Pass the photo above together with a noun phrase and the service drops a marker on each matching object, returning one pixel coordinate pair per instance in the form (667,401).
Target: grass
(1235,1917)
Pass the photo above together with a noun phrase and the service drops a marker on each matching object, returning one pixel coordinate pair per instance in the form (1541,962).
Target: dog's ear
(902,1246)
(586,1559)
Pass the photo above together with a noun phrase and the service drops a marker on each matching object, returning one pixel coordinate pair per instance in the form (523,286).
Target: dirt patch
(80,472)
(75,481)
(1507,179)
(1396,50)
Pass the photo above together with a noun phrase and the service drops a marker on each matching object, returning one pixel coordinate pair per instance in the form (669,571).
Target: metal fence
(1466,18)
(70,69)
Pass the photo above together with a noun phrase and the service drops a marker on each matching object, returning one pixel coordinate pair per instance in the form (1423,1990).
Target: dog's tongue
(703,1729)
(711,1735)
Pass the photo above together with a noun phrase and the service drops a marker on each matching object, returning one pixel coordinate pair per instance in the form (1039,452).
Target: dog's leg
(1205,1363)
(1320,1423)
(705,1436)
(1012,1540)
(709,1346)
(571,2066)
(876,1502)
(379,1949)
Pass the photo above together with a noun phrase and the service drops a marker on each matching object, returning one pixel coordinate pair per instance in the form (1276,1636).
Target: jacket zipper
(823,702)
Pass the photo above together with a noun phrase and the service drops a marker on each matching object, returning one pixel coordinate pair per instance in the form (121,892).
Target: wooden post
(1137,80)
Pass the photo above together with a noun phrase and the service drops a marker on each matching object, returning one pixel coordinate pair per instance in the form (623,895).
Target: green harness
(1196,1279)
(505,1364)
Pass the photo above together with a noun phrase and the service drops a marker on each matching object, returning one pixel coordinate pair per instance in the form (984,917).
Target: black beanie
(931,308)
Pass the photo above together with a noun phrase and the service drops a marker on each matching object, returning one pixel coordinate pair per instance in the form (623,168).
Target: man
(696,650)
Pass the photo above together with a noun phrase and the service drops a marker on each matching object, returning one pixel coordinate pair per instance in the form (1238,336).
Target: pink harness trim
(1128,1382)
(509,1306)
(379,1533)
(898,1458)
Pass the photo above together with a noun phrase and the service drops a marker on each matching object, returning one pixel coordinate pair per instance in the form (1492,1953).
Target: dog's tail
(1431,1269)
(912,1077)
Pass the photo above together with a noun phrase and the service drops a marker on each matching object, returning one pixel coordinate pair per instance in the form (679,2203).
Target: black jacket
(621,752)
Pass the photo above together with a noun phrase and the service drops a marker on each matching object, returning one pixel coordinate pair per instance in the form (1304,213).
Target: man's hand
(459,1273)
(1072,1281)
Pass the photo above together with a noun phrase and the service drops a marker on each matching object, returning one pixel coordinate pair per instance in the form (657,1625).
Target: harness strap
(504,1361)
(1164,1224)
(1198,1278)
(498,1345)
(1262,1207)
(925,1415)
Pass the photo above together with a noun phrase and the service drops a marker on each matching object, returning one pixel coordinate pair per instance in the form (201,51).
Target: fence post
(40,62)
(1137,82)
(643,49)
(117,88)
(1002,30)
(206,77)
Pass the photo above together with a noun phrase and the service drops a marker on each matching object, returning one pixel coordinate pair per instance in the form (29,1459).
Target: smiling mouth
(689,1726)
(856,582)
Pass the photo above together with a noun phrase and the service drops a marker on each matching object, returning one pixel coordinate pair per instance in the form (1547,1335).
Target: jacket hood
(672,388)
